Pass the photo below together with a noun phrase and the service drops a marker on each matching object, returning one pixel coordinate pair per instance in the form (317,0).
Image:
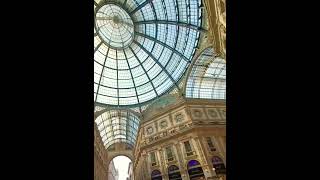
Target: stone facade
(100,158)
(195,121)
(103,170)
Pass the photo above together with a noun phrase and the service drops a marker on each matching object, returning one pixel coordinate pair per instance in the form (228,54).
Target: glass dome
(142,48)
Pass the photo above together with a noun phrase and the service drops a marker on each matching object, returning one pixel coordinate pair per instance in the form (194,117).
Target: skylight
(142,48)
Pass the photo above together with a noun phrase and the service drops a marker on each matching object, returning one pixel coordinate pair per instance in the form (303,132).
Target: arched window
(174,173)
(169,153)
(207,78)
(193,163)
(156,175)
(218,165)
(195,170)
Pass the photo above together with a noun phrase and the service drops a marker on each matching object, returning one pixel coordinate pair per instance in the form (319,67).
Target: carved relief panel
(179,117)
(149,130)
(222,112)
(213,114)
(197,113)
(164,123)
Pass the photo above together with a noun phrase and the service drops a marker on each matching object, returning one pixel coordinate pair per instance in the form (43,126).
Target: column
(146,168)
(182,164)
(206,169)
(164,171)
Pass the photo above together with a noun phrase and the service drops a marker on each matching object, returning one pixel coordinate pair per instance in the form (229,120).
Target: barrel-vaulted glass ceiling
(207,78)
(118,126)
(142,47)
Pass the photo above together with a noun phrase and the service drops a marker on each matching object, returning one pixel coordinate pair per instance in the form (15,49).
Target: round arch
(195,170)
(206,77)
(121,168)
(218,165)
(112,155)
(174,173)
(194,59)
(156,175)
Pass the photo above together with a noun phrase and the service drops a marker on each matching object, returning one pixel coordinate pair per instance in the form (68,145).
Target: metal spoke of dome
(165,45)
(101,76)
(197,28)
(145,72)
(96,48)
(155,60)
(135,88)
(140,6)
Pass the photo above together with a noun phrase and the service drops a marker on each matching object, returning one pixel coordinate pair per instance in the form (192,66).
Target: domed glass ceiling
(142,48)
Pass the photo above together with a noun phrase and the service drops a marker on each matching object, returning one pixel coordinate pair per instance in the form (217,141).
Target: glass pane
(153,157)
(187,146)
(169,152)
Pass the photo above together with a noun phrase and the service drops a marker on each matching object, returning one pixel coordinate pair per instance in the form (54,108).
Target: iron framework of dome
(142,48)
(207,78)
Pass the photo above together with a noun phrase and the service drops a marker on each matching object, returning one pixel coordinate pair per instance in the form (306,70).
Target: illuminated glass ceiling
(142,48)
(115,26)
(118,126)
(208,77)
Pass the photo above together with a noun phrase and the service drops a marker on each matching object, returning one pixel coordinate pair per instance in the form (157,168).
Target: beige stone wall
(100,172)
(193,121)
(100,158)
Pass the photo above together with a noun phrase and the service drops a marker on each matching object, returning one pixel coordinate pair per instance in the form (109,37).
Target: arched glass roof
(142,48)
(118,126)
(207,78)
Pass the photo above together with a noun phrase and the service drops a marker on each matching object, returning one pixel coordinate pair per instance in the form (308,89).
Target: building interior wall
(100,158)
(191,120)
